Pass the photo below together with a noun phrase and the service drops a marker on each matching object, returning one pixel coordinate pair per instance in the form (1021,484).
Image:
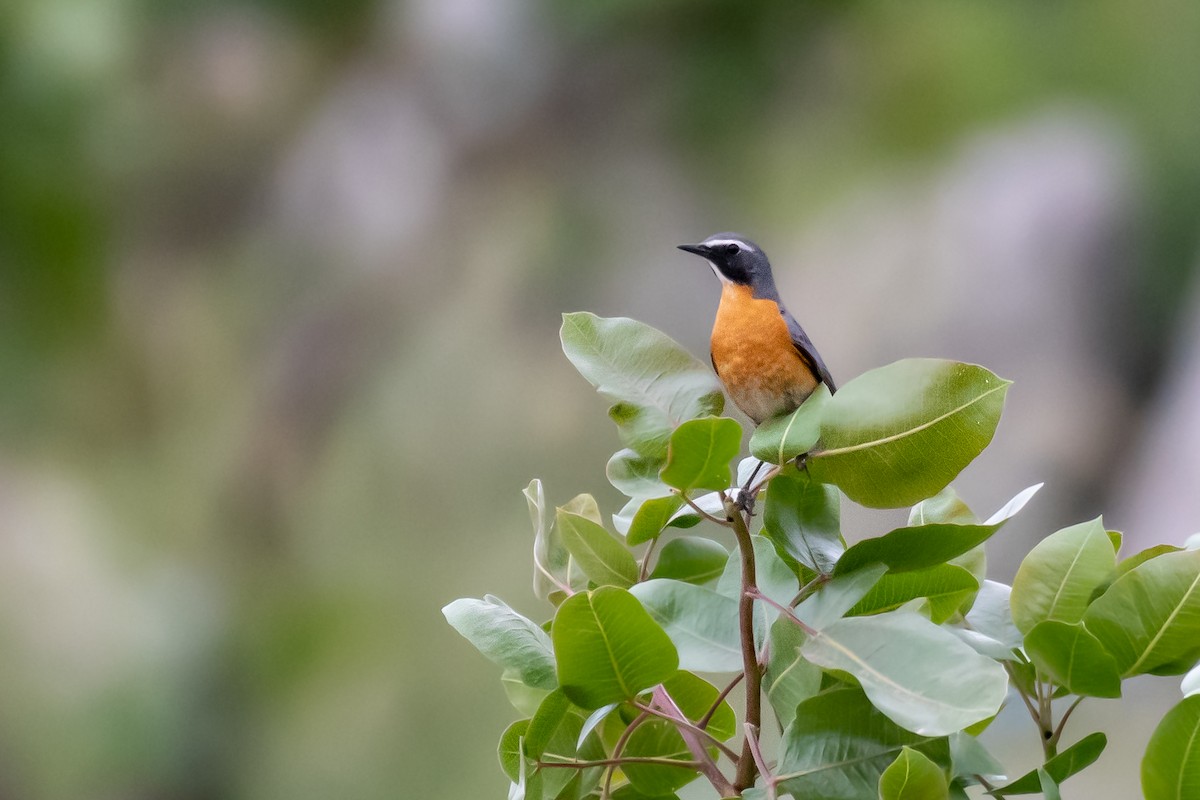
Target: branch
(702,512)
(618,749)
(616,762)
(752,739)
(696,745)
(747,770)
(787,612)
(708,715)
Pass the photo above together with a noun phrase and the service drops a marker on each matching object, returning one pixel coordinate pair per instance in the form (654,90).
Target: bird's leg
(746,497)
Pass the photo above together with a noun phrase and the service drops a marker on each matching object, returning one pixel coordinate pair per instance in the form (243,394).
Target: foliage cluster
(881,662)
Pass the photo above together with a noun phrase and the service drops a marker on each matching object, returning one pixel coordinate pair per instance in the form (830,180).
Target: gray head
(735,259)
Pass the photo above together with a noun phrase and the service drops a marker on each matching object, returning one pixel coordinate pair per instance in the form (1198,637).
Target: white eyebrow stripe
(738,242)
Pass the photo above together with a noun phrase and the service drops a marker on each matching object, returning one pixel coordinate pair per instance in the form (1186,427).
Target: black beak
(698,249)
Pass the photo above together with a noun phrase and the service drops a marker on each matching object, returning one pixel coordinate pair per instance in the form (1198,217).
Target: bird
(761,355)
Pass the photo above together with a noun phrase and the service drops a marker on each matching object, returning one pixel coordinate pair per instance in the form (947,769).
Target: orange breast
(752,350)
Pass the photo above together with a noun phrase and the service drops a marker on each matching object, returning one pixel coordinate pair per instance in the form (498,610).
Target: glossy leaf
(691,559)
(780,439)
(505,637)
(944,586)
(654,383)
(1056,580)
(1149,619)
(703,624)
(919,675)
(789,678)
(924,546)
(839,745)
(1069,762)
(802,518)
(608,648)
(651,517)
(657,738)
(1171,766)
(600,555)
(635,475)
(913,776)
(898,434)
(699,453)
(1073,658)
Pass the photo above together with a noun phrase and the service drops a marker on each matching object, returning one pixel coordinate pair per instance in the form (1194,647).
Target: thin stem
(616,762)
(752,739)
(696,744)
(618,749)
(787,612)
(704,514)
(708,715)
(683,723)
(1062,723)
(747,770)
(645,568)
(1033,714)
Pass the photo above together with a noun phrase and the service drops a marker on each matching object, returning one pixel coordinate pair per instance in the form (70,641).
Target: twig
(708,715)
(616,762)
(683,723)
(809,588)
(1063,722)
(618,749)
(752,739)
(787,612)
(645,568)
(703,513)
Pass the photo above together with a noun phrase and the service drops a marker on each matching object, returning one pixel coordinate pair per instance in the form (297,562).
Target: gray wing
(806,349)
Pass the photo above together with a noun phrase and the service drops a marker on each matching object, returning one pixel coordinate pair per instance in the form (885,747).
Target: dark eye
(732,249)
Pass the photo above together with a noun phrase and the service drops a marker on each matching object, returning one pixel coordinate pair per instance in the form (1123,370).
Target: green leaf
(651,517)
(789,678)
(1074,759)
(1149,619)
(699,453)
(1073,658)
(919,675)
(1056,579)
(552,572)
(630,792)
(780,439)
(945,586)
(695,696)
(991,615)
(834,600)
(898,434)
(924,546)
(505,637)
(655,383)
(945,506)
(802,519)
(691,559)
(657,738)
(839,745)
(609,648)
(913,776)
(601,556)
(970,758)
(774,578)
(1171,766)
(509,751)
(634,475)
(1049,785)
(524,698)
(552,737)
(702,623)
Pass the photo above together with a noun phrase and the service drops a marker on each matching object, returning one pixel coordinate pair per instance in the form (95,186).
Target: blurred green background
(279,297)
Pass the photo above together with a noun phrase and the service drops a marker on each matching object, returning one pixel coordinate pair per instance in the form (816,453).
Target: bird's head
(735,259)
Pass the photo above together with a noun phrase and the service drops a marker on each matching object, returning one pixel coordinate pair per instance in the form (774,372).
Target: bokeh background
(280,285)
